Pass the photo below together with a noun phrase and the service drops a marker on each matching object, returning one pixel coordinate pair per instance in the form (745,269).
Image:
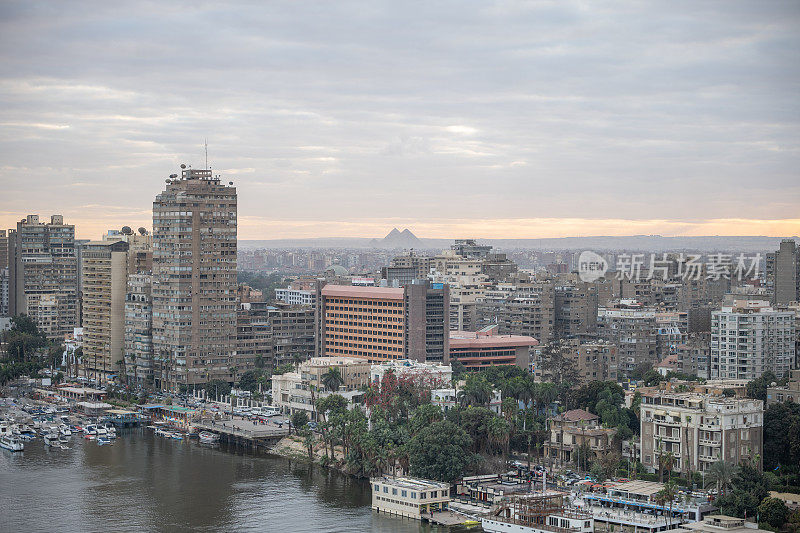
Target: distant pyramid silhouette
(398,239)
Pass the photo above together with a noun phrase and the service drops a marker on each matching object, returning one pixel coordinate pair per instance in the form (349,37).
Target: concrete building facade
(750,337)
(783,273)
(699,429)
(43,274)
(194,280)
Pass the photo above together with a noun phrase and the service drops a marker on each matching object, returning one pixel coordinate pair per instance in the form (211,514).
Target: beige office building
(105,279)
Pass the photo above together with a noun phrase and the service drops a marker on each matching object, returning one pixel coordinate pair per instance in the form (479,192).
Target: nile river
(148,483)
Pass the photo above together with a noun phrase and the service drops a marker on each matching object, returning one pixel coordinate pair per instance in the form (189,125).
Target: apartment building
(105,279)
(194,279)
(43,274)
(575,309)
(749,338)
(296,391)
(526,309)
(632,329)
(783,273)
(296,296)
(694,355)
(139,328)
(486,347)
(3,249)
(699,429)
(292,330)
(383,323)
(594,360)
(574,430)
(253,336)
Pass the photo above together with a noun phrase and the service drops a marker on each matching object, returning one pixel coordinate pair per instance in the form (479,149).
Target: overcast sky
(486,119)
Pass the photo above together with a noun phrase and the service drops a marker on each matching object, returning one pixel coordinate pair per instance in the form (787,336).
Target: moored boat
(11,443)
(206,437)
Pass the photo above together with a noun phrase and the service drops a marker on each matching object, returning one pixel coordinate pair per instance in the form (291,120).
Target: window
(394,492)
(403,493)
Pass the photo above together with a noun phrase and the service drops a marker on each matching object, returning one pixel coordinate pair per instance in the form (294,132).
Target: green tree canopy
(773,511)
(441,452)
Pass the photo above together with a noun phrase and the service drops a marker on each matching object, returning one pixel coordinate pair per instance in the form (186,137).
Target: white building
(296,296)
(446,399)
(749,338)
(409,497)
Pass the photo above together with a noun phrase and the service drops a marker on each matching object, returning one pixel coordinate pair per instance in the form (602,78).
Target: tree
(750,486)
(332,379)
(458,368)
(558,363)
(497,431)
(757,388)
(651,377)
(721,475)
(441,452)
(781,436)
(477,391)
(308,440)
(667,496)
(216,388)
(299,421)
(773,511)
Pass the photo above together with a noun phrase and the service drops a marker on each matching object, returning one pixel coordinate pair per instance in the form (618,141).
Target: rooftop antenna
(206,140)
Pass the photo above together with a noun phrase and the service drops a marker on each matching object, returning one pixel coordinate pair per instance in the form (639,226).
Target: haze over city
(501,120)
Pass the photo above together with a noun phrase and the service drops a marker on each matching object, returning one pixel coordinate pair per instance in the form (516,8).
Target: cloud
(427,112)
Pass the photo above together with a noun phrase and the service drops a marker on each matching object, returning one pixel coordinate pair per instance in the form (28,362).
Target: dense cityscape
(632,388)
(437,267)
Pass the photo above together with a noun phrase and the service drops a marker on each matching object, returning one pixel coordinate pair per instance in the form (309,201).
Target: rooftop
(575,415)
(411,483)
(353,291)
(467,339)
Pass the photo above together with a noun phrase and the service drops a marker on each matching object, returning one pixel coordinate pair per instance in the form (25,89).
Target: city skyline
(535,120)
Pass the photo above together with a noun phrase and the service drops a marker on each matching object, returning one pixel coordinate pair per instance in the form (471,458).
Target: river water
(147,483)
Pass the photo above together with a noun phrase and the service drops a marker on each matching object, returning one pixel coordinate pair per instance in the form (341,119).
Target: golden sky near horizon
(257,228)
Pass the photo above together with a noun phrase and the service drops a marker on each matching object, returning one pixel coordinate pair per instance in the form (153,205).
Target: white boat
(90,430)
(64,430)
(51,439)
(102,440)
(13,444)
(206,437)
(111,430)
(63,439)
(101,431)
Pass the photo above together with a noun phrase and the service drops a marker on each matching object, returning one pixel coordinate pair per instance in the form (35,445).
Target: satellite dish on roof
(126,230)
(230,183)
(183,166)
(142,231)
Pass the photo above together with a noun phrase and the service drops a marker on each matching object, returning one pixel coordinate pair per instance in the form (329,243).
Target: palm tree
(332,379)
(666,496)
(498,433)
(721,474)
(297,359)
